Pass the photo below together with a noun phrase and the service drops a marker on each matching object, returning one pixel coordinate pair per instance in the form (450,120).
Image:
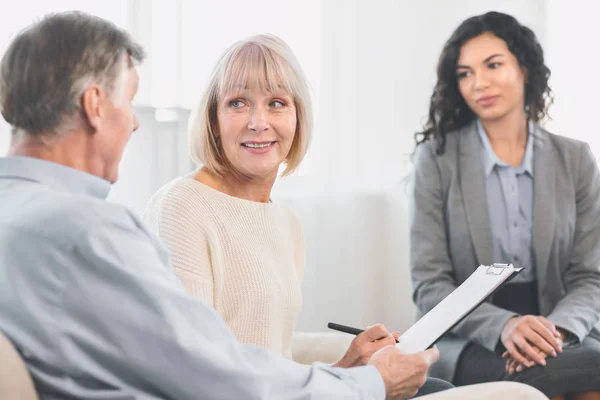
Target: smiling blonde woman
(231,245)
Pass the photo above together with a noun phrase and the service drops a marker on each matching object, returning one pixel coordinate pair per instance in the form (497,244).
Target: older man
(87,295)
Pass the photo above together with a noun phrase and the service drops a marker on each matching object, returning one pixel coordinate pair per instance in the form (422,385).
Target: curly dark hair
(448,110)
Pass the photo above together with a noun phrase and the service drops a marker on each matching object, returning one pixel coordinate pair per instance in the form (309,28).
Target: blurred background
(371,65)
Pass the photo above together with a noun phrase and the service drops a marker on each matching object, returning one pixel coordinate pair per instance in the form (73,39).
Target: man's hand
(521,335)
(365,344)
(403,374)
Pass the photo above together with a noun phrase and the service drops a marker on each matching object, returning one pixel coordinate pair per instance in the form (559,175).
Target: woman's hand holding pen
(365,344)
(529,339)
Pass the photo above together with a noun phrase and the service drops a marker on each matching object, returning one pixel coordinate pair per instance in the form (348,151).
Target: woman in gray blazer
(492,186)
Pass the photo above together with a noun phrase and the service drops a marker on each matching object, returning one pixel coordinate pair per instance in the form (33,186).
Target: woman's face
(256,129)
(490,78)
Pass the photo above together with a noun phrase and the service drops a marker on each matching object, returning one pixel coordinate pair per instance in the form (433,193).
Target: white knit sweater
(244,258)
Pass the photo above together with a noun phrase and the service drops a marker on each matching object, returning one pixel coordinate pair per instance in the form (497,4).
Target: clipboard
(483,283)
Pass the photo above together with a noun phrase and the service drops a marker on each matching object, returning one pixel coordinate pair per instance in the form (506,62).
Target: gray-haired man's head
(47,67)
(73,73)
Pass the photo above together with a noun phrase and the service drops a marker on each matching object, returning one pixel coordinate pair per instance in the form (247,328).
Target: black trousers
(433,385)
(575,370)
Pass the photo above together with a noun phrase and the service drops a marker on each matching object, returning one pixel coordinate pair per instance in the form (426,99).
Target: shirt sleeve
(126,318)
(578,311)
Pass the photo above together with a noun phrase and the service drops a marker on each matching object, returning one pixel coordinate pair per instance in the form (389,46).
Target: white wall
(156,153)
(573,52)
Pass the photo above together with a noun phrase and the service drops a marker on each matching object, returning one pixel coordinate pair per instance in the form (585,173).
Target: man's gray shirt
(88,297)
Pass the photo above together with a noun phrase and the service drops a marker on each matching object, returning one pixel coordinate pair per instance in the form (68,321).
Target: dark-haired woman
(490,185)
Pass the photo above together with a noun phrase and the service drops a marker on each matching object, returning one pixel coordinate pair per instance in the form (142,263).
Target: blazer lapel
(544,204)
(472,181)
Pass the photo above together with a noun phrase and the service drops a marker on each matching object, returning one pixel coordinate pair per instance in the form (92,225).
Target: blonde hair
(259,62)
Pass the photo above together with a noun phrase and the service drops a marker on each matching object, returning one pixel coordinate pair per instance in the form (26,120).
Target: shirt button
(515,224)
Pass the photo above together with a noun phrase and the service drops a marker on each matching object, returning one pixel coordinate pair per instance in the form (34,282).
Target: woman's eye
(236,103)
(494,65)
(462,75)
(277,104)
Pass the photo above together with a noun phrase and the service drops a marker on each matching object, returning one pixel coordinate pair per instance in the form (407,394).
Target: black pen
(346,329)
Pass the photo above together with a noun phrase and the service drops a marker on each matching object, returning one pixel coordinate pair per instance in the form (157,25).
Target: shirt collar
(490,159)
(57,176)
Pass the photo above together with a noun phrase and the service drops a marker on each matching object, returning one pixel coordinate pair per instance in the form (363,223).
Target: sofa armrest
(327,347)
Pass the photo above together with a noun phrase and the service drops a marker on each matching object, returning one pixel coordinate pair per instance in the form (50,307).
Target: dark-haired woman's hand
(513,365)
(531,338)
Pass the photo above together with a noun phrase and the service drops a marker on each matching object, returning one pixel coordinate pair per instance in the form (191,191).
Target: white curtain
(371,65)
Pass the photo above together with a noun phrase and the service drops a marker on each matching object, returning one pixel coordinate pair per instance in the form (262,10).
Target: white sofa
(327,347)
(357,259)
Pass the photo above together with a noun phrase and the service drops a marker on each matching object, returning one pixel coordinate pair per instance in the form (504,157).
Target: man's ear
(91,106)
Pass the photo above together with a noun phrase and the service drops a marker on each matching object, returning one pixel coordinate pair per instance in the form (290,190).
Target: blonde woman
(231,245)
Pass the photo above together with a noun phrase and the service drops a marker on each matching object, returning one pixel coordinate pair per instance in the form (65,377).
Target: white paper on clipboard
(481,284)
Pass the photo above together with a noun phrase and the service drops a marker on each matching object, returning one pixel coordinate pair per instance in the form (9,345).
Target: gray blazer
(450,236)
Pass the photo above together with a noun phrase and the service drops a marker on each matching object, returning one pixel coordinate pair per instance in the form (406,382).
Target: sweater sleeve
(178,222)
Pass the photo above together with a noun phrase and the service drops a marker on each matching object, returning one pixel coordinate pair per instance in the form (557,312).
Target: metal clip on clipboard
(496,269)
